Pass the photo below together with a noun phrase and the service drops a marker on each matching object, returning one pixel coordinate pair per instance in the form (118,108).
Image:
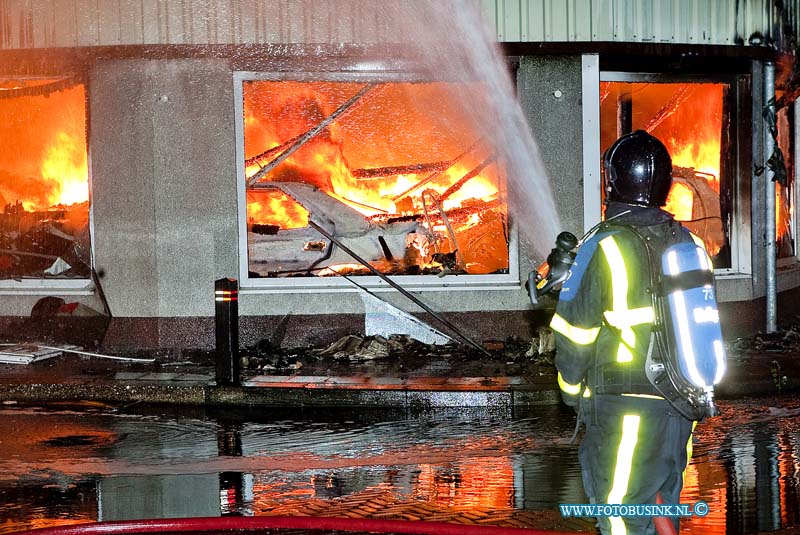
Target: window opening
(402,176)
(693,121)
(44,180)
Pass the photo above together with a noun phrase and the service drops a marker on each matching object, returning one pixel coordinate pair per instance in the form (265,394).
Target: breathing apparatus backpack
(686,356)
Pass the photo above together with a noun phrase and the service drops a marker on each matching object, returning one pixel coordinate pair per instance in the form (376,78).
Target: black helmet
(638,170)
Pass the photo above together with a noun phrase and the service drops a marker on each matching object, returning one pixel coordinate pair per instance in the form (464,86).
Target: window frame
(510,280)
(740,247)
(794,222)
(78,286)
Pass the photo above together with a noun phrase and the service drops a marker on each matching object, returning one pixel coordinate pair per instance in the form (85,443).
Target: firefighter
(635,444)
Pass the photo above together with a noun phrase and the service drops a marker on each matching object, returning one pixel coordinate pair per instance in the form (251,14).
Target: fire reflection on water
(67,466)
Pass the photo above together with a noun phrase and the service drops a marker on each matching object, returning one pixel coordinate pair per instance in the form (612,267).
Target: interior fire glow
(44,179)
(404,156)
(689,119)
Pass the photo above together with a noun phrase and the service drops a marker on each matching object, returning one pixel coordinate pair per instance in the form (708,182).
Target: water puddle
(82,463)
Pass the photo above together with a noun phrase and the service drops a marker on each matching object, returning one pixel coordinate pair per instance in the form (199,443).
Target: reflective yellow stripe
(698,241)
(622,470)
(619,298)
(575,334)
(572,390)
(619,277)
(646,396)
(623,353)
(630,317)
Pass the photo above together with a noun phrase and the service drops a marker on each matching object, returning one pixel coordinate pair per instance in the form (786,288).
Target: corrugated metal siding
(67,23)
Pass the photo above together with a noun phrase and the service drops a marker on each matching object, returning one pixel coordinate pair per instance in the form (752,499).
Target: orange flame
(272,207)
(65,168)
(45,158)
(680,202)
(321,161)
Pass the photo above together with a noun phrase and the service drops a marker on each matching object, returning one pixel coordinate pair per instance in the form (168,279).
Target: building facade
(153,147)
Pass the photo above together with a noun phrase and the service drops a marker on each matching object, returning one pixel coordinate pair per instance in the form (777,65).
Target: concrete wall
(558,126)
(165,215)
(164,184)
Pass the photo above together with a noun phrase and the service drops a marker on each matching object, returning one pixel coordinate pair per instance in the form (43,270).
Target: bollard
(226,300)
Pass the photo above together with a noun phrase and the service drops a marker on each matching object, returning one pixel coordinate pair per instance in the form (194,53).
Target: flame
(45,162)
(694,137)
(680,202)
(688,119)
(344,158)
(702,155)
(321,161)
(65,168)
(272,207)
(783,204)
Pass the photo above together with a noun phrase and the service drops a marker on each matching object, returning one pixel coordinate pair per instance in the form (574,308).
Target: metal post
(769,224)
(226,299)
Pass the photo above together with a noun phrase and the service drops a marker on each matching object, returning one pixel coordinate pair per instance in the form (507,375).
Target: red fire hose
(664,526)
(231,523)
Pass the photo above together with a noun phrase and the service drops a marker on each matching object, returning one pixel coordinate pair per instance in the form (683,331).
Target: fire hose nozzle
(549,276)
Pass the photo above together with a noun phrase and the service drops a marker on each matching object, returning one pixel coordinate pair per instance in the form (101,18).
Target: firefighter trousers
(633,447)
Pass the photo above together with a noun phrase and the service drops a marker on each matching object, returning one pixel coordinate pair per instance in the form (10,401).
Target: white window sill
(46,287)
(414,283)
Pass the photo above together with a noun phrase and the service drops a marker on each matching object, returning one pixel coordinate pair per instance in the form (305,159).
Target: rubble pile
(47,243)
(401,354)
(783,340)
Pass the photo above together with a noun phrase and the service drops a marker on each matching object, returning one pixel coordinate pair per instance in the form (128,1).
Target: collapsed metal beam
(311,133)
(399,288)
(466,178)
(270,153)
(437,174)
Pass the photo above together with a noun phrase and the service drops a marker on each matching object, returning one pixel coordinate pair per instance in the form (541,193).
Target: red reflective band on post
(226,295)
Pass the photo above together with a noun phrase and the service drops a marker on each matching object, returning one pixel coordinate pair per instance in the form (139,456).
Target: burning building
(152,147)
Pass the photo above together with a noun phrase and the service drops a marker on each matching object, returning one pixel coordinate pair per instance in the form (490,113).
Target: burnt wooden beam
(437,174)
(269,154)
(670,107)
(414,168)
(302,140)
(466,178)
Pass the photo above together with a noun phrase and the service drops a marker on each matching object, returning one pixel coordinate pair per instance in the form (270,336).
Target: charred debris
(401,354)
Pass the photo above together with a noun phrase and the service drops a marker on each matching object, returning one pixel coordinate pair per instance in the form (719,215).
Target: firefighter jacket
(604,317)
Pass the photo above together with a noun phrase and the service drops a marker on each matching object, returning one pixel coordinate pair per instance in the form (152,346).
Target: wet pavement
(68,463)
(477,441)
(442,381)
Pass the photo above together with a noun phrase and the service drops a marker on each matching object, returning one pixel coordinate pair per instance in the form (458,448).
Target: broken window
(693,121)
(784,189)
(397,172)
(44,179)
